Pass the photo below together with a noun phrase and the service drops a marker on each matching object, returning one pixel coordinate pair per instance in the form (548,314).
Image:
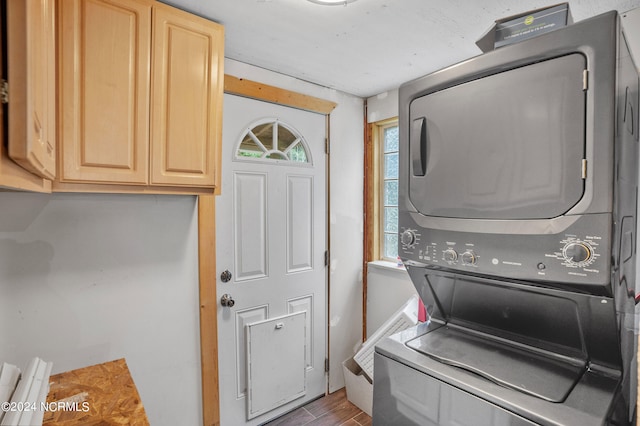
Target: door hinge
(326,365)
(326,146)
(4,91)
(585,80)
(326,258)
(584,168)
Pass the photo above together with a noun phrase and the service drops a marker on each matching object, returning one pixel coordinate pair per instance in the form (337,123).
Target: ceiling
(369,46)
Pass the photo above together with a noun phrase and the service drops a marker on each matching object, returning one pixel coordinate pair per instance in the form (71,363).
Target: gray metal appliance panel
(539,373)
(506,146)
(421,400)
(573,325)
(537,250)
(410,386)
(595,39)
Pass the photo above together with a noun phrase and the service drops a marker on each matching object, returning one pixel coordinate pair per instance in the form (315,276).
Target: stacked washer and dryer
(518,202)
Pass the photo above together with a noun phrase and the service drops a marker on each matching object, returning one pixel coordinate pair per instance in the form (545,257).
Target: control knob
(577,252)
(450,255)
(469,257)
(408,238)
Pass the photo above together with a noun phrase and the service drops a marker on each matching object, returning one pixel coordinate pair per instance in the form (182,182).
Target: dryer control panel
(574,255)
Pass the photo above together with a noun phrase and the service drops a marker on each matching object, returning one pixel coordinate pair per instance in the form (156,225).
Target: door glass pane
(285,138)
(298,154)
(284,144)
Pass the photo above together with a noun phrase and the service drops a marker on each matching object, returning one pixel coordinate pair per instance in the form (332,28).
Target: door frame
(207,239)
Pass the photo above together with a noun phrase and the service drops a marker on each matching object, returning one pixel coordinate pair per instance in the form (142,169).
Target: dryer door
(506,146)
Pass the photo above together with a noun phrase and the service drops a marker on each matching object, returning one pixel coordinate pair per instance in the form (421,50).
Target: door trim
(207,240)
(264,92)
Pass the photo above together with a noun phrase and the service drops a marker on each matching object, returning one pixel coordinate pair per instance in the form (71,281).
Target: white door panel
(299,223)
(276,377)
(271,236)
(250,225)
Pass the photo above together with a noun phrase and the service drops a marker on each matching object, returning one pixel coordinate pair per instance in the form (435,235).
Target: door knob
(227,300)
(225,276)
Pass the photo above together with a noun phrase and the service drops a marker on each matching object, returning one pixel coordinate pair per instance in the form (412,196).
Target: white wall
(89,278)
(382,106)
(388,288)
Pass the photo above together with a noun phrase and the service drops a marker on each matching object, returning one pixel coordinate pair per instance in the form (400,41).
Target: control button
(408,238)
(577,252)
(541,266)
(450,255)
(469,257)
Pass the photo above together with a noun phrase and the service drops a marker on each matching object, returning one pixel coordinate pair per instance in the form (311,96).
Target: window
(381,191)
(272,139)
(389,189)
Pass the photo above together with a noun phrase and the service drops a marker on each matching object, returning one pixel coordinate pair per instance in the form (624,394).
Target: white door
(271,238)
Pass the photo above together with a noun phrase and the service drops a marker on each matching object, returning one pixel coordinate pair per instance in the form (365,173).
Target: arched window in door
(271,139)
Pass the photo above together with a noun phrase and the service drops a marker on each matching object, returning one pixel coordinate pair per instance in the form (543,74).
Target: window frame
(374,187)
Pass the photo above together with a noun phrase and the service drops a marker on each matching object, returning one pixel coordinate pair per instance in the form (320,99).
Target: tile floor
(330,410)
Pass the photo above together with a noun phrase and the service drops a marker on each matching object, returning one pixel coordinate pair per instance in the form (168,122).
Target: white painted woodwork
(305,304)
(299,223)
(250,225)
(275,377)
(271,235)
(32,85)
(31,392)
(186,98)
(9,375)
(244,318)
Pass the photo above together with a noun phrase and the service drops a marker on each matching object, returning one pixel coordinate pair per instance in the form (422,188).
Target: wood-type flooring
(330,410)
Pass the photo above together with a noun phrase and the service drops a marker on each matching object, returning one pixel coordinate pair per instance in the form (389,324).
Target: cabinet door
(12,176)
(31,76)
(104,90)
(186,112)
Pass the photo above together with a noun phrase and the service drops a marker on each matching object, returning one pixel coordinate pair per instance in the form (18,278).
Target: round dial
(450,255)
(577,252)
(408,238)
(469,257)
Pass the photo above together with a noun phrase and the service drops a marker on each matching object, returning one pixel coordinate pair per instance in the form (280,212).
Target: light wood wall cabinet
(140,95)
(28,154)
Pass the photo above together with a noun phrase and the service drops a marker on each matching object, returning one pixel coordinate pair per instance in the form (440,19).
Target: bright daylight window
(389,140)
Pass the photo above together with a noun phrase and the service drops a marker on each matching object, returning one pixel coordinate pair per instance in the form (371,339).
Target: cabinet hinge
(585,80)
(4,91)
(584,168)
(326,146)
(326,365)
(326,258)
